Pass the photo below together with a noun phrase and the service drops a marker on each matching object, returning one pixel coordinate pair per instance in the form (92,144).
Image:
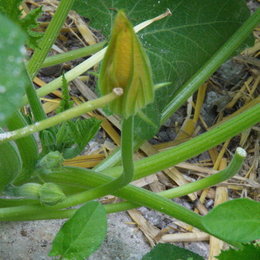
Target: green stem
(70,75)
(216,136)
(49,37)
(34,102)
(211,65)
(116,184)
(131,193)
(186,189)
(40,54)
(61,117)
(89,178)
(42,214)
(127,149)
(4,203)
(72,55)
(134,194)
(195,146)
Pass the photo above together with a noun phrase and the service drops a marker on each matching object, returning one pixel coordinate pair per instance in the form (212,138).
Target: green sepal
(50,194)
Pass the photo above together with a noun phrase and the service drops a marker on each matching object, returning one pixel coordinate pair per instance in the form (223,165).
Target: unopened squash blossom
(126,66)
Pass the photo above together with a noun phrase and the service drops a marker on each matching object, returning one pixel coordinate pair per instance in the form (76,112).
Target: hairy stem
(61,117)
(40,54)
(195,146)
(49,37)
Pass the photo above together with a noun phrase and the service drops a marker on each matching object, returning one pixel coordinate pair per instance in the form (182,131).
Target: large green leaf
(177,45)
(13,77)
(81,235)
(170,252)
(248,251)
(236,220)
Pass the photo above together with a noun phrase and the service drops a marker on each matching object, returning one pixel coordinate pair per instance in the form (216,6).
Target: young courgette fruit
(10,163)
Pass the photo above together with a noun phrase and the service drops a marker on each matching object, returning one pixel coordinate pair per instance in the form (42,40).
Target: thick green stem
(72,55)
(49,37)
(195,146)
(34,102)
(131,193)
(213,137)
(5,203)
(127,150)
(186,189)
(225,174)
(61,117)
(135,195)
(40,54)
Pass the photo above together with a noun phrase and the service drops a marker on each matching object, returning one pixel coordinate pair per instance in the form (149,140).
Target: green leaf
(249,251)
(236,220)
(81,235)
(65,103)
(10,8)
(178,45)
(48,140)
(13,78)
(170,252)
(73,136)
(28,23)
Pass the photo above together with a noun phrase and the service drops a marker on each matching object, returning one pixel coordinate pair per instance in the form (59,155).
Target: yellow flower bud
(126,66)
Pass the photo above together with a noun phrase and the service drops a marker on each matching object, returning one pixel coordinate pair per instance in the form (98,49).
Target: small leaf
(170,252)
(13,78)
(82,234)
(65,103)
(81,132)
(10,8)
(249,251)
(48,140)
(236,220)
(28,23)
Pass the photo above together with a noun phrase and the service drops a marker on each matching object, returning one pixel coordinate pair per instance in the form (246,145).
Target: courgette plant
(144,78)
